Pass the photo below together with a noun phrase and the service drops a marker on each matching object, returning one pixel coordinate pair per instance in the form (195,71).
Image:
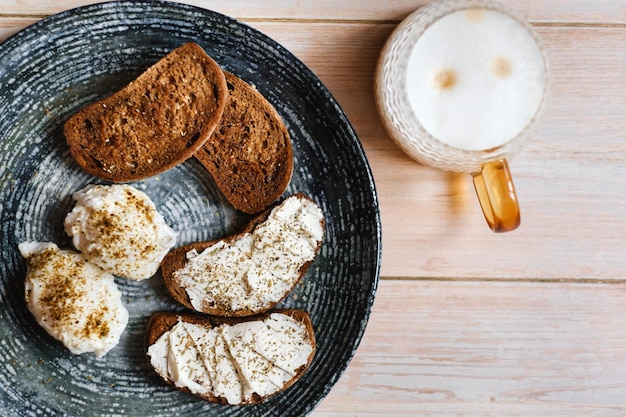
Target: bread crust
(249,154)
(176,259)
(160,322)
(155,122)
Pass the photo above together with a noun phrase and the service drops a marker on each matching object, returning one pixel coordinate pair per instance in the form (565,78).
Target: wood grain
(562,11)
(12,25)
(488,348)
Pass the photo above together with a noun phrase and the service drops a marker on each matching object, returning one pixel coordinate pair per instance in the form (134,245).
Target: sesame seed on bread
(154,123)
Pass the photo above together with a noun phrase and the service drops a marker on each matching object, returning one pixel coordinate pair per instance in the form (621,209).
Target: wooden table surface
(467,322)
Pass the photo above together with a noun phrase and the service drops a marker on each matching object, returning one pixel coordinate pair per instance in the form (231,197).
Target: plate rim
(12,42)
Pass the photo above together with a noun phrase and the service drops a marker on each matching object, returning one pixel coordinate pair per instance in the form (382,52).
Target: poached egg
(118,228)
(74,300)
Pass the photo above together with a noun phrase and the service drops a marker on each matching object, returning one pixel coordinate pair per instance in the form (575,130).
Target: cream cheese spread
(233,361)
(256,269)
(118,228)
(74,300)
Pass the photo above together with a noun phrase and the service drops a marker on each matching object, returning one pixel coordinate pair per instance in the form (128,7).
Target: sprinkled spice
(236,362)
(77,302)
(118,228)
(63,289)
(255,269)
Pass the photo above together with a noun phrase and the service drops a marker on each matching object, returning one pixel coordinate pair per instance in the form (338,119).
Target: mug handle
(497,197)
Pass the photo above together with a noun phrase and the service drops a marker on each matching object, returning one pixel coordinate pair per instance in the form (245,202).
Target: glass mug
(460,85)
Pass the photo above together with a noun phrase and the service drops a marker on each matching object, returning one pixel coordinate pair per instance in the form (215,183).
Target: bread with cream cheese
(231,360)
(157,121)
(252,271)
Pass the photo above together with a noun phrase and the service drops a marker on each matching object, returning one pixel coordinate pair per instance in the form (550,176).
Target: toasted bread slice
(252,271)
(249,155)
(231,361)
(154,123)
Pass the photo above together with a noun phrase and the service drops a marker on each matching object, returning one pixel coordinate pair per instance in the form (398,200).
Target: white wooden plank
(12,25)
(488,349)
(613,11)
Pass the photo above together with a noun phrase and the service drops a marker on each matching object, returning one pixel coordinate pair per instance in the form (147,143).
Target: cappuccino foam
(475,79)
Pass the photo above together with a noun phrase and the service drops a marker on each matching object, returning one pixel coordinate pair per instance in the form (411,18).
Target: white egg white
(74,300)
(118,228)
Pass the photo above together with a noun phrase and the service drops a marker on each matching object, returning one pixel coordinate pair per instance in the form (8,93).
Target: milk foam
(475,79)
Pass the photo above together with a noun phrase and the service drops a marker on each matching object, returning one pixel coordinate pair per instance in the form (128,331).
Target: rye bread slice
(249,155)
(154,123)
(177,259)
(161,322)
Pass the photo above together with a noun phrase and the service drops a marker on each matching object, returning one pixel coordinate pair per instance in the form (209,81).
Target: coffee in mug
(459,86)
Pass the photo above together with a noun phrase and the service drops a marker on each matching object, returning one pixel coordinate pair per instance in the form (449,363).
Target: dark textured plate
(61,63)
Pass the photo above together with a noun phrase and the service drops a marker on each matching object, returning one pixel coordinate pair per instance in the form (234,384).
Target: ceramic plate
(61,63)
